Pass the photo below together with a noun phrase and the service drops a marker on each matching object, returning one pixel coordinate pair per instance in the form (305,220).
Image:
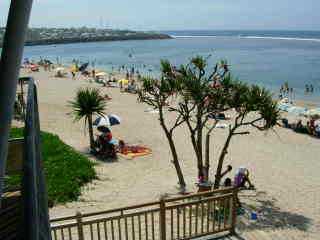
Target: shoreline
(296,102)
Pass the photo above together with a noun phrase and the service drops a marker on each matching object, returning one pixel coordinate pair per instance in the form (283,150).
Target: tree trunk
(221,158)
(199,144)
(90,131)
(195,147)
(176,162)
(207,158)
(172,146)
(207,153)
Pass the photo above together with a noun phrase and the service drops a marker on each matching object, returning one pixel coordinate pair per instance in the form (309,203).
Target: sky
(175,14)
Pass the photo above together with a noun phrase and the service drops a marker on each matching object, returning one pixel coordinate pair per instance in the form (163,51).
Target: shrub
(66,170)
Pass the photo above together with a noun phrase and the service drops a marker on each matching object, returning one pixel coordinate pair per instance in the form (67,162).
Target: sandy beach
(285,165)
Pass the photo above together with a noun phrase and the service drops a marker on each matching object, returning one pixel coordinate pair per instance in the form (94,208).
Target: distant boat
(130,55)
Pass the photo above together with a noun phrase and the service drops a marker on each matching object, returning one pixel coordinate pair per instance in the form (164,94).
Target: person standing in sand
(73,75)
(93,72)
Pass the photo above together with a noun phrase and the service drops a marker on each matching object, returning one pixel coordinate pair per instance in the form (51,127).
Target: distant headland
(47,36)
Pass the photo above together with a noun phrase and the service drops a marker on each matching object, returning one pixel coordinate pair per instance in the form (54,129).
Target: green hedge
(66,170)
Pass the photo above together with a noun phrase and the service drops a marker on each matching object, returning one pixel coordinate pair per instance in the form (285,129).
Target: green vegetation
(44,36)
(88,101)
(66,170)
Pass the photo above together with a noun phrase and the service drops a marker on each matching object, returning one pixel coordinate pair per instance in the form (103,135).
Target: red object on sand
(34,67)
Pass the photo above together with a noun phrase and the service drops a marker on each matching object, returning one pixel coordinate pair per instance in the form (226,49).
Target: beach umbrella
(123,81)
(114,119)
(107,121)
(83,67)
(101,74)
(102,121)
(284,106)
(60,69)
(297,110)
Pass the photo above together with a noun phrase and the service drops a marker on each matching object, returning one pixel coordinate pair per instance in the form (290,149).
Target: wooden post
(234,211)
(79,226)
(162,220)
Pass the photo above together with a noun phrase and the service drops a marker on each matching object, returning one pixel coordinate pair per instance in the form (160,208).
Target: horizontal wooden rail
(224,196)
(119,217)
(201,215)
(66,225)
(202,194)
(106,212)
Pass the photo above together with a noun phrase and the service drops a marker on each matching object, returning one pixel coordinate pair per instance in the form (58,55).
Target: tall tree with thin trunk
(254,107)
(204,94)
(156,93)
(87,102)
(199,101)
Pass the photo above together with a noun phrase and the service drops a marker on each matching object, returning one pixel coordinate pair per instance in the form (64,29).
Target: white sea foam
(248,37)
(193,36)
(283,38)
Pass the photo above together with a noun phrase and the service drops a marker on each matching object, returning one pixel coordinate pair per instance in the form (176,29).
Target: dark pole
(10,62)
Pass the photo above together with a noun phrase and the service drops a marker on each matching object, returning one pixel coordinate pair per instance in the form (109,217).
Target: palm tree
(87,102)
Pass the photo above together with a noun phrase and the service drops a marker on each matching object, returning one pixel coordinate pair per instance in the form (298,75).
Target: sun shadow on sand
(87,153)
(270,216)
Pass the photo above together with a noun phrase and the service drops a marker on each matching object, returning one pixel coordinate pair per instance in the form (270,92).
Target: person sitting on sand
(132,87)
(285,123)
(73,75)
(299,127)
(105,145)
(317,131)
(242,178)
(311,126)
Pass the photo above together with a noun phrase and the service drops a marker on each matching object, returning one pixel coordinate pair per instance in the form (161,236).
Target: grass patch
(66,170)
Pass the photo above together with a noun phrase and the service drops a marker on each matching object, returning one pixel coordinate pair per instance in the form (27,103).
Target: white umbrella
(60,69)
(114,119)
(102,121)
(101,74)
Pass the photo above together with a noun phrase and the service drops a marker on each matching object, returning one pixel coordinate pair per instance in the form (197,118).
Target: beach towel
(130,152)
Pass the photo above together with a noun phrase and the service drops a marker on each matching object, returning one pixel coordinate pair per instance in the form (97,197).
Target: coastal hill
(45,36)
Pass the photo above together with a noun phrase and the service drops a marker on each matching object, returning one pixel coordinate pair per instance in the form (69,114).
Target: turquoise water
(265,58)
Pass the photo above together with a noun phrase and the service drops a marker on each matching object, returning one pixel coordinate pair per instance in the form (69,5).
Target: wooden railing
(184,217)
(24,212)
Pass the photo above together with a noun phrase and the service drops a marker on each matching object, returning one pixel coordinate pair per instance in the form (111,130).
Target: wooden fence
(183,217)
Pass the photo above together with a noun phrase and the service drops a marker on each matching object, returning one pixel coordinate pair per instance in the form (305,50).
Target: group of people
(286,92)
(312,127)
(131,87)
(309,88)
(105,145)
(241,179)
(46,64)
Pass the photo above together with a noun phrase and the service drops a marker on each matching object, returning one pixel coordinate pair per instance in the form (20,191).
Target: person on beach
(73,75)
(242,178)
(105,146)
(281,93)
(311,127)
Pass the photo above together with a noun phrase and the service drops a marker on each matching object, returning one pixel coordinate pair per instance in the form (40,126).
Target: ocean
(266,58)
